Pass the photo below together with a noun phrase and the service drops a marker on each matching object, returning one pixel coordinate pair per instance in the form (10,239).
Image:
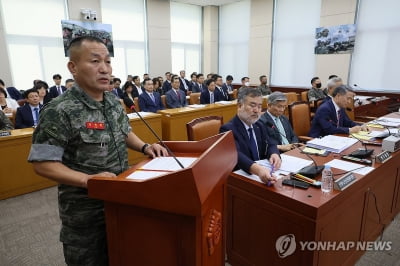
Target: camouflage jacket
(5,123)
(265,90)
(315,94)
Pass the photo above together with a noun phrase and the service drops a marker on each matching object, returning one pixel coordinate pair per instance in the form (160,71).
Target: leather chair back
(203,127)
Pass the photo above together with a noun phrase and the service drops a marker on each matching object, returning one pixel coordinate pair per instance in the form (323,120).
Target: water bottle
(327,179)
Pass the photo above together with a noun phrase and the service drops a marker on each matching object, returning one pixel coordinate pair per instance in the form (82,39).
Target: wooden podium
(175,219)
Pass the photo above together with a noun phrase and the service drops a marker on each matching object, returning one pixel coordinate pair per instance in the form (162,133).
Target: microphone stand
(361,153)
(159,139)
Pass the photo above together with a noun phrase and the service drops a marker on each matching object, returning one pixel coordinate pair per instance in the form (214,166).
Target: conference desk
(174,120)
(258,215)
(16,174)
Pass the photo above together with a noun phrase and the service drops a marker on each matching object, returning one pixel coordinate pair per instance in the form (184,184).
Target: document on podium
(160,166)
(332,143)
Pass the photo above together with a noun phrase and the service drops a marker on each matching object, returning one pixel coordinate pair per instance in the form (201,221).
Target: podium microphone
(310,171)
(155,134)
(361,153)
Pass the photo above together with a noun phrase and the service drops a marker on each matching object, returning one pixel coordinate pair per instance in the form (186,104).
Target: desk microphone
(155,134)
(310,171)
(361,153)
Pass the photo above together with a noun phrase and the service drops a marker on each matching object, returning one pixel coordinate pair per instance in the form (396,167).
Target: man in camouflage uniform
(315,93)
(265,90)
(82,134)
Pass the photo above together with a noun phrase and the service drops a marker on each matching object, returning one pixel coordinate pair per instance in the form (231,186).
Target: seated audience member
(265,90)
(228,84)
(5,123)
(326,89)
(245,83)
(69,83)
(315,93)
(157,86)
(277,125)
(12,91)
(117,91)
(184,83)
(252,141)
(331,117)
(41,88)
(219,86)
(137,84)
(193,80)
(28,115)
(210,95)
(7,105)
(166,86)
(130,92)
(57,89)
(150,101)
(199,86)
(175,97)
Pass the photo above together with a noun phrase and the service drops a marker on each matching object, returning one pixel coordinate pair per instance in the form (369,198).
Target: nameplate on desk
(344,182)
(5,133)
(383,157)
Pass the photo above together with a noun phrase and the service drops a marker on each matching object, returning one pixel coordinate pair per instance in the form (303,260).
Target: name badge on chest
(95,125)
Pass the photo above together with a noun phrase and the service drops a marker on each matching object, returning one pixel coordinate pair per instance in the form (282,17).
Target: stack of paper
(197,105)
(225,102)
(350,167)
(332,143)
(388,121)
(134,115)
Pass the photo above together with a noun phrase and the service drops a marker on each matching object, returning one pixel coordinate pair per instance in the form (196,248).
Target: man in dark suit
(184,83)
(28,115)
(175,98)
(150,101)
(210,95)
(193,81)
(252,141)
(137,84)
(219,87)
(117,91)
(228,86)
(277,125)
(331,117)
(57,89)
(199,86)
(167,83)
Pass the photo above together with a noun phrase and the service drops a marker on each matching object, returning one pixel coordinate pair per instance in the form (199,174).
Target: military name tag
(95,125)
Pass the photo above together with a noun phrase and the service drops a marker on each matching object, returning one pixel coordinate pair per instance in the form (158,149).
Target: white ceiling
(207,2)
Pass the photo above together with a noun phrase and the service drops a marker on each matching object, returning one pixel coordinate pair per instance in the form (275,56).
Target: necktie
(253,145)
(211,97)
(338,118)
(59,90)
(179,96)
(152,97)
(36,118)
(281,130)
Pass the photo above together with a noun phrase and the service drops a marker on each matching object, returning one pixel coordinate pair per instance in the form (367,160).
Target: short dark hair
(166,73)
(174,77)
(193,74)
(27,92)
(116,79)
(199,75)
(135,78)
(3,91)
(229,77)
(2,82)
(341,90)
(216,76)
(145,80)
(262,76)
(77,42)
(332,76)
(127,84)
(314,79)
(208,81)
(243,79)
(41,84)
(57,76)
(69,80)
(156,80)
(248,91)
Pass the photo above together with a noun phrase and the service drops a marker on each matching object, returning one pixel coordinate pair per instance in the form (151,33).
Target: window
(129,36)
(186,23)
(376,55)
(293,59)
(234,35)
(34,40)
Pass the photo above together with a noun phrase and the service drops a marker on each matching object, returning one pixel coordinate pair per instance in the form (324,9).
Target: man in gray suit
(175,97)
(277,125)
